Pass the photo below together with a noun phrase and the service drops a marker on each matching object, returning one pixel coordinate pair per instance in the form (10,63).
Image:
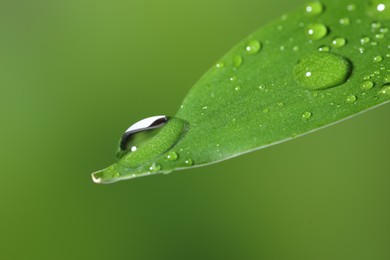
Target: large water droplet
(322,70)
(314,8)
(149,138)
(316,31)
(172,156)
(385,91)
(140,133)
(307,115)
(351,99)
(253,47)
(379,9)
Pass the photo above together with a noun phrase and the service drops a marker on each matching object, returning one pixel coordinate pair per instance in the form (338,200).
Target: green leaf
(315,66)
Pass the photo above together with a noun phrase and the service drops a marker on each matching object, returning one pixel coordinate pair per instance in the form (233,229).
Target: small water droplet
(351,99)
(365,40)
(253,47)
(280,104)
(386,79)
(316,31)
(296,48)
(379,36)
(322,70)
(220,65)
(314,8)
(238,88)
(307,115)
(266,110)
(189,162)
(379,9)
(345,21)
(384,30)
(351,7)
(324,48)
(378,58)
(237,61)
(172,156)
(376,25)
(385,91)
(233,78)
(367,85)
(339,42)
(155,167)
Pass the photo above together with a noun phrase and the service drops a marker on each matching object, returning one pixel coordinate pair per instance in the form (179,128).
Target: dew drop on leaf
(385,91)
(339,42)
(351,99)
(253,47)
(155,167)
(379,9)
(378,58)
(367,85)
(322,70)
(314,8)
(307,115)
(316,31)
(237,61)
(172,156)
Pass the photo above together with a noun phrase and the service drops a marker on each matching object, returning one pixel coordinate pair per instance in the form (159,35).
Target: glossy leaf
(315,66)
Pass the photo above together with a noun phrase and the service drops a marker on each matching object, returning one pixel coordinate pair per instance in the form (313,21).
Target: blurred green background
(75,74)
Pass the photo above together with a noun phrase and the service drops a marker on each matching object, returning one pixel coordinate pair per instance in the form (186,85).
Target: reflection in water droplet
(351,99)
(316,31)
(307,115)
(237,61)
(385,91)
(339,42)
(253,47)
(322,70)
(379,9)
(367,85)
(314,8)
(172,156)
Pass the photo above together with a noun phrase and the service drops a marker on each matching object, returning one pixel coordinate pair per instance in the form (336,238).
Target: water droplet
(238,88)
(253,47)
(351,7)
(233,78)
(220,65)
(365,40)
(322,70)
(324,48)
(376,25)
(386,79)
(345,21)
(367,85)
(384,30)
(139,133)
(339,42)
(237,61)
(385,91)
(265,110)
(280,104)
(189,162)
(148,139)
(316,31)
(314,8)
(378,58)
(296,48)
(307,115)
(172,156)
(155,167)
(351,99)
(379,9)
